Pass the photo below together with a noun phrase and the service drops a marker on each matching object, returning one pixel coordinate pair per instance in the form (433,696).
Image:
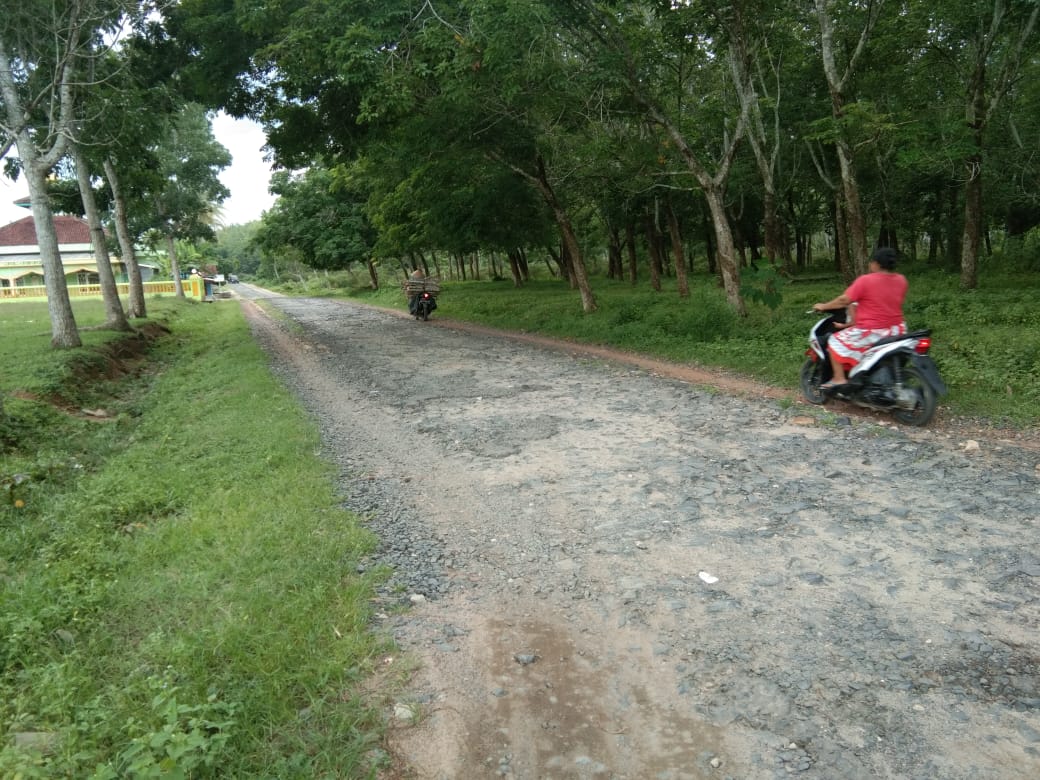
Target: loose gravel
(602,571)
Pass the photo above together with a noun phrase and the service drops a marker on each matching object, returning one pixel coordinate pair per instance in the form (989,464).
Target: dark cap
(885,256)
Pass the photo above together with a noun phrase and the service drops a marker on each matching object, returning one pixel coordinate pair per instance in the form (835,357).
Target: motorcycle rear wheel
(811,379)
(922,412)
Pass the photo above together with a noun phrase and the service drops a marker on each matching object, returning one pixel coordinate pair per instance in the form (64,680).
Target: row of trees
(750,126)
(80,102)
(565,125)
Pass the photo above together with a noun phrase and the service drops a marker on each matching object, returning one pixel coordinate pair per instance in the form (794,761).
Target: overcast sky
(246,177)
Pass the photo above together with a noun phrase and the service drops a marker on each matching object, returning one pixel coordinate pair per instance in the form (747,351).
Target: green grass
(986,342)
(178,586)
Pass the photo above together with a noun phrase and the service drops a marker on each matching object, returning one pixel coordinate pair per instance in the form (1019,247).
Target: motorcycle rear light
(425,295)
(923,345)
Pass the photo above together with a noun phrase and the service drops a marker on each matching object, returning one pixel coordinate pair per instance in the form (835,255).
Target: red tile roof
(70,230)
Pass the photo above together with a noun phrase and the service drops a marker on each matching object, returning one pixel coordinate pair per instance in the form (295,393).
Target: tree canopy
(723,134)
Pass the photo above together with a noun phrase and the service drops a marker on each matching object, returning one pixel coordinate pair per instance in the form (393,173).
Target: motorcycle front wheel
(812,378)
(924,407)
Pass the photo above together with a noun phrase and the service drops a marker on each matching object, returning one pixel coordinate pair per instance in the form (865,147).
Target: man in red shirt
(879,297)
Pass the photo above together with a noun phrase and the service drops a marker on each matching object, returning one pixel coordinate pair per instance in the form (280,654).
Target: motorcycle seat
(916,334)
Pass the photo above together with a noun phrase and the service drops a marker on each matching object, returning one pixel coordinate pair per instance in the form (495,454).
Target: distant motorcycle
(896,375)
(422,305)
(422,295)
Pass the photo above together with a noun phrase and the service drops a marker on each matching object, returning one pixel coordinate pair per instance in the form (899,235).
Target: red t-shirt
(880,299)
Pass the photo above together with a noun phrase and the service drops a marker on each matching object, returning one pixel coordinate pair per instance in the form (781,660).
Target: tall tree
(997,32)
(518,106)
(121,119)
(115,319)
(839,83)
(127,252)
(320,214)
(756,45)
(40,48)
(671,71)
(186,190)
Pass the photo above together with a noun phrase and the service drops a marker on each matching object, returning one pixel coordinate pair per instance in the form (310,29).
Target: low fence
(193,288)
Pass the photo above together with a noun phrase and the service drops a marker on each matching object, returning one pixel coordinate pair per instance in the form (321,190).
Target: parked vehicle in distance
(232,279)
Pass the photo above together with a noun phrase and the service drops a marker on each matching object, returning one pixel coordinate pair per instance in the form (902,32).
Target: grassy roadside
(986,342)
(178,586)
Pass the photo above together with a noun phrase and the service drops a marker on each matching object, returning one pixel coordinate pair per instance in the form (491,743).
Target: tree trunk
(738,241)
(842,262)
(514,269)
(64,333)
(972,225)
(971,238)
(372,273)
(1009,38)
(709,246)
(175,268)
(677,251)
(115,319)
(630,245)
(525,268)
(565,265)
(726,251)
(836,85)
(855,222)
(743,56)
(37,164)
(799,260)
(571,248)
(570,239)
(954,228)
(614,263)
(126,244)
(713,187)
(774,234)
(652,251)
(556,259)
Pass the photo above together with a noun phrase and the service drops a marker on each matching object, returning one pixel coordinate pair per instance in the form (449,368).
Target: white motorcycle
(895,375)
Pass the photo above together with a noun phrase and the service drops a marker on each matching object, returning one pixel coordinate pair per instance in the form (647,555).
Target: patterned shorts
(850,344)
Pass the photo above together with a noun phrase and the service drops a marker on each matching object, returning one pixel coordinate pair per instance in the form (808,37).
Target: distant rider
(878,297)
(413,301)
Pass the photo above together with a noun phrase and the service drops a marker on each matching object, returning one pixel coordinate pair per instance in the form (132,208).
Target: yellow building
(21,269)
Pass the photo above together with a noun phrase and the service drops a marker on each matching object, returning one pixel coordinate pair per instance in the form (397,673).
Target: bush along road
(603,571)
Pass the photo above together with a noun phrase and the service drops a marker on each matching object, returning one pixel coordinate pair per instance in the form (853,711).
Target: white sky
(246,177)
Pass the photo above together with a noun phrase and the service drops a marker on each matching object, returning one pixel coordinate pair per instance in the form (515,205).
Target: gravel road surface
(605,570)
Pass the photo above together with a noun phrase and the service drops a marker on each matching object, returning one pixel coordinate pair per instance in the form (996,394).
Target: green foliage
(178,742)
(179,190)
(429,101)
(1018,254)
(320,215)
(234,250)
(762,285)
